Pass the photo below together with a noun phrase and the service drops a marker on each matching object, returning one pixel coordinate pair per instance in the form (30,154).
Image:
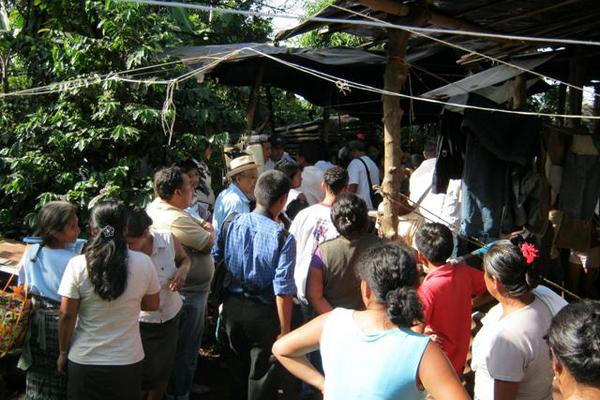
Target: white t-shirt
(312,177)
(163,258)
(311,227)
(513,349)
(108,332)
(357,175)
(437,207)
(324,165)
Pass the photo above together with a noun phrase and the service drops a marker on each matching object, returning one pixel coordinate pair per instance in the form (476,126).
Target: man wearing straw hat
(243,173)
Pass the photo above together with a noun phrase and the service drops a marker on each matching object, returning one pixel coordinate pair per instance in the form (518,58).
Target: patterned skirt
(43,380)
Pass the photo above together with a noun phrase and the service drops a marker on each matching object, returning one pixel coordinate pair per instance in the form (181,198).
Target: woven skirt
(43,382)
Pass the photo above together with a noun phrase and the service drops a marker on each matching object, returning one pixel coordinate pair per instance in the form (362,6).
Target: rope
(469,239)
(351,84)
(365,23)
(456,46)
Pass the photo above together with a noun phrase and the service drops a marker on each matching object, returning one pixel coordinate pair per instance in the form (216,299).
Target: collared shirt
(270,164)
(229,200)
(252,255)
(163,258)
(192,235)
(437,207)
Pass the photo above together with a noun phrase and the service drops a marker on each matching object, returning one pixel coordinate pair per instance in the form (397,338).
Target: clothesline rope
(93,79)
(457,46)
(351,84)
(250,13)
(467,238)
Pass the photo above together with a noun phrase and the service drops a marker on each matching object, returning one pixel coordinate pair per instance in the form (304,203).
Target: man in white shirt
(443,208)
(313,226)
(277,153)
(312,176)
(359,167)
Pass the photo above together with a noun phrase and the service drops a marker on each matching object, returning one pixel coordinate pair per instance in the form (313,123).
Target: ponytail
(390,271)
(106,255)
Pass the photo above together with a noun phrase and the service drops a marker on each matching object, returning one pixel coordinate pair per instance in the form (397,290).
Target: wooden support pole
(562,102)
(396,72)
(519,93)
(596,127)
(253,99)
(272,122)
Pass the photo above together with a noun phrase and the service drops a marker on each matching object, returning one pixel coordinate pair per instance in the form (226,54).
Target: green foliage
(317,39)
(105,140)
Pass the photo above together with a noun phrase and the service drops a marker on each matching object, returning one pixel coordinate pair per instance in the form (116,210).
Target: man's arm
(284,285)
(191,234)
(284,312)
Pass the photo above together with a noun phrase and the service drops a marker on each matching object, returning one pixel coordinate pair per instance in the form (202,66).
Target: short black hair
(137,222)
(336,179)
(287,167)
(349,215)
(310,151)
(277,141)
(435,242)
(271,185)
(357,145)
(187,165)
(167,181)
(574,337)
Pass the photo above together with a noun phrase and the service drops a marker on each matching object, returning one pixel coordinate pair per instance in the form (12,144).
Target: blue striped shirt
(253,257)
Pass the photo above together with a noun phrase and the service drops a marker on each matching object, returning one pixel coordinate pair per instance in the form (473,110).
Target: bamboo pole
(396,72)
(253,99)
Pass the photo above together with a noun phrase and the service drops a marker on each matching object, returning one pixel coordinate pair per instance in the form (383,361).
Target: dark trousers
(251,328)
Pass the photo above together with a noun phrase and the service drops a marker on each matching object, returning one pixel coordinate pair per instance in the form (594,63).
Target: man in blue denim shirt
(260,256)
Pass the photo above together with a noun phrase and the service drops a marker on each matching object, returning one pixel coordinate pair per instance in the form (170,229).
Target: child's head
(57,222)
(435,243)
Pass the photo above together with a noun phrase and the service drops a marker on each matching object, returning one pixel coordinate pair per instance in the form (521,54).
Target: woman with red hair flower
(510,357)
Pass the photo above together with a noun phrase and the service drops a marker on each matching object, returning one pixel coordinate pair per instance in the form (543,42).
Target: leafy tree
(104,139)
(316,39)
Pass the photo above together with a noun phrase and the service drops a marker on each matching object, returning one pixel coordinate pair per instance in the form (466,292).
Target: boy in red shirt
(447,293)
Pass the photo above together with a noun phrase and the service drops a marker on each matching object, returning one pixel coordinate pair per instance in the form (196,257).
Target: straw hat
(241,164)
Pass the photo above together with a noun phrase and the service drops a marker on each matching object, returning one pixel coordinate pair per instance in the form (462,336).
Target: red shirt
(446,295)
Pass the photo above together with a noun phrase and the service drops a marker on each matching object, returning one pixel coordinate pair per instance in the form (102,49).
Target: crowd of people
(314,303)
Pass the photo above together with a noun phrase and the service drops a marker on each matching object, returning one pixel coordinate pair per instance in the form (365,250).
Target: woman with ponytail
(509,355)
(332,281)
(103,292)
(373,354)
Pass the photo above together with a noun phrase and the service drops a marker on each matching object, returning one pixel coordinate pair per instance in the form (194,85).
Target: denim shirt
(229,200)
(253,256)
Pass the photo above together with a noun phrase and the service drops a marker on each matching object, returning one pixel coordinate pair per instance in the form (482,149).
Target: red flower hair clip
(530,252)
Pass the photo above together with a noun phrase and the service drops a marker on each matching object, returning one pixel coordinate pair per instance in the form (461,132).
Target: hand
(208,226)
(177,281)
(434,336)
(61,362)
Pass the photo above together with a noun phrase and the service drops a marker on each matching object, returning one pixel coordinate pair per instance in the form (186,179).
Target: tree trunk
(396,72)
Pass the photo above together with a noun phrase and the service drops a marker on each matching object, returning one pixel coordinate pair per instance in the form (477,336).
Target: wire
(413,31)
(364,23)
(345,85)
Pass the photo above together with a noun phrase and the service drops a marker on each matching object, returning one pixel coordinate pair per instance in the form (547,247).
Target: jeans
(191,328)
